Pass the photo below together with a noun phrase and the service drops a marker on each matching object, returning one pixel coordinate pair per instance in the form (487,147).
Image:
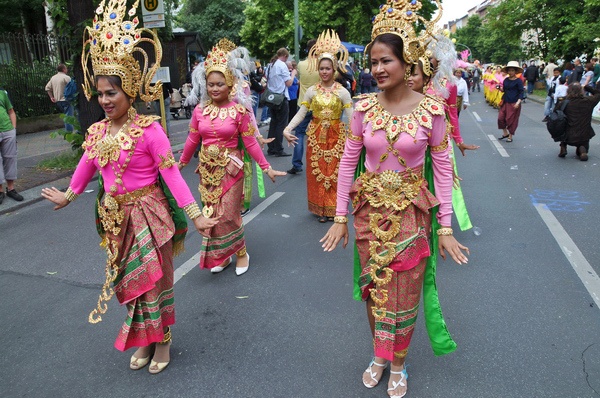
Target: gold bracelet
(192,210)
(266,171)
(444,231)
(70,195)
(340,219)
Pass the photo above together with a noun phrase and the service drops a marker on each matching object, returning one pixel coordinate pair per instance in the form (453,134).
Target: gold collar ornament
(328,45)
(110,44)
(218,60)
(399,17)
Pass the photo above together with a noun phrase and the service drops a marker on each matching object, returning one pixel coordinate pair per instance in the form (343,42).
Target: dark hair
(595,59)
(556,70)
(568,66)
(310,44)
(574,91)
(282,52)
(114,81)
(562,80)
(394,42)
(326,59)
(61,68)
(589,66)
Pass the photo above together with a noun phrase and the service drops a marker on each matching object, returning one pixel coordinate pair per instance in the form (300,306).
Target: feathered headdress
(328,45)
(442,49)
(110,44)
(234,62)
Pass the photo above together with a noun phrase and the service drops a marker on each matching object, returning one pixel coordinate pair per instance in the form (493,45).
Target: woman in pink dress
(392,205)
(141,226)
(225,129)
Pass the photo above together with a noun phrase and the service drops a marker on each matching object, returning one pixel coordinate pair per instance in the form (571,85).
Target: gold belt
(390,188)
(135,195)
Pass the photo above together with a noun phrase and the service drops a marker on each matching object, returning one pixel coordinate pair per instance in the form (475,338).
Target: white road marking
(499,147)
(476,117)
(193,262)
(582,267)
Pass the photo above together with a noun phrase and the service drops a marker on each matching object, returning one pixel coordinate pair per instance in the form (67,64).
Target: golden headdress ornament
(112,41)
(218,60)
(328,45)
(399,17)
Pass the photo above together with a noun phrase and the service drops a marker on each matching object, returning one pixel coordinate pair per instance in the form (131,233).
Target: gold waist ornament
(111,216)
(390,188)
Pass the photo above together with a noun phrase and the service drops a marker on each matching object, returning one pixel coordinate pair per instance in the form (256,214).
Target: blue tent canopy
(353,48)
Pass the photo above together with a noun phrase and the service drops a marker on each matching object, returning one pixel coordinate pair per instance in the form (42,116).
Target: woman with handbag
(326,134)
(224,128)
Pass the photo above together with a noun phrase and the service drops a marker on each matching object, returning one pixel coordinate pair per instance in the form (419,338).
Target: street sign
(163,74)
(153,7)
(153,14)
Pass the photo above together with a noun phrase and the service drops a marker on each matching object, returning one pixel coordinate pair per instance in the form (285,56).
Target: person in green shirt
(8,149)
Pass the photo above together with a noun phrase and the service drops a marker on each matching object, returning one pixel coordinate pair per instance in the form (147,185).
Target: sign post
(153,16)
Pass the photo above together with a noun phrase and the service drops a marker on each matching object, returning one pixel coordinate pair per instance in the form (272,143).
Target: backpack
(70,92)
(557,123)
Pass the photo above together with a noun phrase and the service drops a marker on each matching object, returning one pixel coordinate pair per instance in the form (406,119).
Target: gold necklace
(121,136)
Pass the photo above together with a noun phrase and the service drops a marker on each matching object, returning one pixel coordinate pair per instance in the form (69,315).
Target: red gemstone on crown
(109,35)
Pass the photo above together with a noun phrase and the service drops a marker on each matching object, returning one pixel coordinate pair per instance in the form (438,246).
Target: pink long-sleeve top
(152,155)
(207,125)
(429,122)
(450,108)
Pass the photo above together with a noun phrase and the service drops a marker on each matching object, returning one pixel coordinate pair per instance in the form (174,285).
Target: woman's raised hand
(55,196)
(291,138)
(333,237)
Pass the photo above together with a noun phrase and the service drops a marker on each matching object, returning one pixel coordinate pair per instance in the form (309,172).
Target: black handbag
(270,98)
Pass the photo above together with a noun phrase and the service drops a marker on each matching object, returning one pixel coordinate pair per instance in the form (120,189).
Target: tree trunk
(89,111)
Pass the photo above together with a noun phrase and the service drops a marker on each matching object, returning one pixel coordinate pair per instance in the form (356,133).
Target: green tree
(22,16)
(269,25)
(213,20)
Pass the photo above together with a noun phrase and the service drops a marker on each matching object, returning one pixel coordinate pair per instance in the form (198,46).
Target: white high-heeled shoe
(219,268)
(242,270)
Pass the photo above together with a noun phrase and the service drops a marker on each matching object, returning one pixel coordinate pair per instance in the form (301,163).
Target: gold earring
(407,75)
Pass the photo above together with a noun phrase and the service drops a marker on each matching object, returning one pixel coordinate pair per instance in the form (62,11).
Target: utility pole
(296,33)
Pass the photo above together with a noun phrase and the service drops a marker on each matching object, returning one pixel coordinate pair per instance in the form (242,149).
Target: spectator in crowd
(279,79)
(552,84)
(588,77)
(256,87)
(462,91)
(56,91)
(568,69)
(531,75)
(579,118)
(561,90)
(8,149)
(596,72)
(293,90)
(308,77)
(476,75)
(577,72)
(548,72)
(365,81)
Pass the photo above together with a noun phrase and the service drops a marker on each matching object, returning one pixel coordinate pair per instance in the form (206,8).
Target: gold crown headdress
(328,45)
(399,17)
(218,60)
(112,41)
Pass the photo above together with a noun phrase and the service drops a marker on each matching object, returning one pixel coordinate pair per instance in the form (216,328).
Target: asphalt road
(525,323)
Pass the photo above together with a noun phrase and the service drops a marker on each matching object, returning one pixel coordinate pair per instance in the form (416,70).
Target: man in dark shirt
(577,72)
(531,75)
